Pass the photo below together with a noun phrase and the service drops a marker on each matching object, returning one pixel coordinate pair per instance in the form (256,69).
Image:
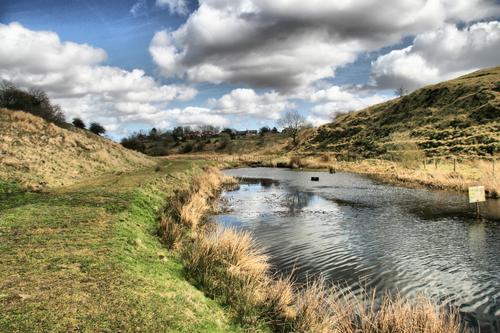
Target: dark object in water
(315,179)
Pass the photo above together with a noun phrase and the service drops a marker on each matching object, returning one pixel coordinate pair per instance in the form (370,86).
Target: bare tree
(292,122)
(401,91)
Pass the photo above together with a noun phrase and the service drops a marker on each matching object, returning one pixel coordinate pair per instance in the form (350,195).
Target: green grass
(87,258)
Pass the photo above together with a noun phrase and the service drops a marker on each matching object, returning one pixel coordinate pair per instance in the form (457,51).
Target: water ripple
(363,234)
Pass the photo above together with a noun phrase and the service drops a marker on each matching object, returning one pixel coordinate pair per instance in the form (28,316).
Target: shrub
(133,142)
(225,142)
(187,148)
(78,123)
(97,128)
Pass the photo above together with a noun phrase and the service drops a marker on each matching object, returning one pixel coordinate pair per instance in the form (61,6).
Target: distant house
(252,132)
(247,133)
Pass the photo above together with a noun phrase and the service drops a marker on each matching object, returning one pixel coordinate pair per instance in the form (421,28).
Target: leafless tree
(292,122)
(401,91)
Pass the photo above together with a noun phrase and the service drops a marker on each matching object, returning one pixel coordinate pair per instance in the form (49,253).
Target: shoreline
(446,175)
(229,267)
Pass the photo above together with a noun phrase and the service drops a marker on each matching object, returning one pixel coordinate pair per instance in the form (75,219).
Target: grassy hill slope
(87,258)
(460,117)
(37,154)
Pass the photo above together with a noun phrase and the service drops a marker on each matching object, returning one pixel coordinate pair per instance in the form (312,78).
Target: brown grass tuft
(229,266)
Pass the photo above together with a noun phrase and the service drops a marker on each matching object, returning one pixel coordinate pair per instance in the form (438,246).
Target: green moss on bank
(87,258)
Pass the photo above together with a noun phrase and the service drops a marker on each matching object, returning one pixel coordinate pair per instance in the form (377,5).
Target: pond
(360,233)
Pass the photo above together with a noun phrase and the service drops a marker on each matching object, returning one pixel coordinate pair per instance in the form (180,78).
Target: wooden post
(454,164)
(424,164)
(435,163)
(477,209)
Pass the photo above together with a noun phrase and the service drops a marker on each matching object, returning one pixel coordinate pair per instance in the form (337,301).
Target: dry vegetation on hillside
(37,154)
(460,117)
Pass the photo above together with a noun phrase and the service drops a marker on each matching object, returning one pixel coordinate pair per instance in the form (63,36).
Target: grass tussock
(185,213)
(231,268)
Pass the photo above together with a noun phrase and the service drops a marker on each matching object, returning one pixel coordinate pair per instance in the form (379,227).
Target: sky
(136,64)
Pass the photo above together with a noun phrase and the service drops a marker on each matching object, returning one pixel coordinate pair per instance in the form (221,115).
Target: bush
(187,148)
(78,123)
(133,142)
(224,142)
(97,128)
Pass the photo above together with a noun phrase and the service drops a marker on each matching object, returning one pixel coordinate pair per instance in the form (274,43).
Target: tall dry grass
(186,212)
(230,267)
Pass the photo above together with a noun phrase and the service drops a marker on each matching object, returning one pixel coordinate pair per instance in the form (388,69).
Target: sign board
(476,194)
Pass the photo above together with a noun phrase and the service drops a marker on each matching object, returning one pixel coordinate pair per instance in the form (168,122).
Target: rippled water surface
(361,233)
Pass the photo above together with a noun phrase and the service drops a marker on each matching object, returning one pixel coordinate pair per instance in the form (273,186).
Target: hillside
(156,143)
(460,117)
(37,154)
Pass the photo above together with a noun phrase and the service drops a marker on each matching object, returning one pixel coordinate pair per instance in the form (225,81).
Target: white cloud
(179,7)
(140,8)
(439,55)
(335,100)
(285,44)
(246,102)
(73,76)
(189,116)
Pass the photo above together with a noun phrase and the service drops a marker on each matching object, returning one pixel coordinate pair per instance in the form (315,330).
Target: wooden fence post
(454,164)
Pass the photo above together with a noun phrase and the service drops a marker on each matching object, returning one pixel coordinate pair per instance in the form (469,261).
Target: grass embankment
(232,269)
(88,258)
(38,154)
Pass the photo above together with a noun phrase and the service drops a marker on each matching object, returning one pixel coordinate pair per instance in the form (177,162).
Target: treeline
(34,101)
(186,139)
(37,102)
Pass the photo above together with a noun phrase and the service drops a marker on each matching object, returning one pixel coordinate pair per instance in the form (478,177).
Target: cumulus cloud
(286,44)
(73,76)
(189,116)
(334,100)
(246,102)
(439,55)
(179,7)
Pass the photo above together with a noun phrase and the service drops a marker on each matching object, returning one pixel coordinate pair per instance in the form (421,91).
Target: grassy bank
(231,268)
(445,174)
(87,258)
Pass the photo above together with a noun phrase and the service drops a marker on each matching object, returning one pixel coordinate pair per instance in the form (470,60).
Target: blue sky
(238,63)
